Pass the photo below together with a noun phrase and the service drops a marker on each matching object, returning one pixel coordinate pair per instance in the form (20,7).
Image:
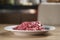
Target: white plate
(10,28)
(19,32)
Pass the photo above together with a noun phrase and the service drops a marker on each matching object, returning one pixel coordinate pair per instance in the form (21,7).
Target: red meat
(29,26)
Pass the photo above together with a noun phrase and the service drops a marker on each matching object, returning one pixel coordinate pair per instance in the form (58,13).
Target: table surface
(52,35)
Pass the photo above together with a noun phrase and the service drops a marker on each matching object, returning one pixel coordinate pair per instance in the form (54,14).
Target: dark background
(14,16)
(10,14)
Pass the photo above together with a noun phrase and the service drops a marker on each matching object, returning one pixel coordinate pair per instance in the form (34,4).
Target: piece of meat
(29,26)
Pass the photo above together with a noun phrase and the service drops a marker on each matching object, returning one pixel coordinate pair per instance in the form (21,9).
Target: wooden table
(52,35)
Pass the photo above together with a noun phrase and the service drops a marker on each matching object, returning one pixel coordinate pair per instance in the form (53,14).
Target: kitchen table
(51,35)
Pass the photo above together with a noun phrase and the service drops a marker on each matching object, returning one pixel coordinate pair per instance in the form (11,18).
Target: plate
(47,28)
(21,32)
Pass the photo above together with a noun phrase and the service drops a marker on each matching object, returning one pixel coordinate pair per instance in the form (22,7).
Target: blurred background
(18,11)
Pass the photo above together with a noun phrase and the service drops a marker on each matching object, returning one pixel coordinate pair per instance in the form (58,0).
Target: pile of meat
(29,26)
